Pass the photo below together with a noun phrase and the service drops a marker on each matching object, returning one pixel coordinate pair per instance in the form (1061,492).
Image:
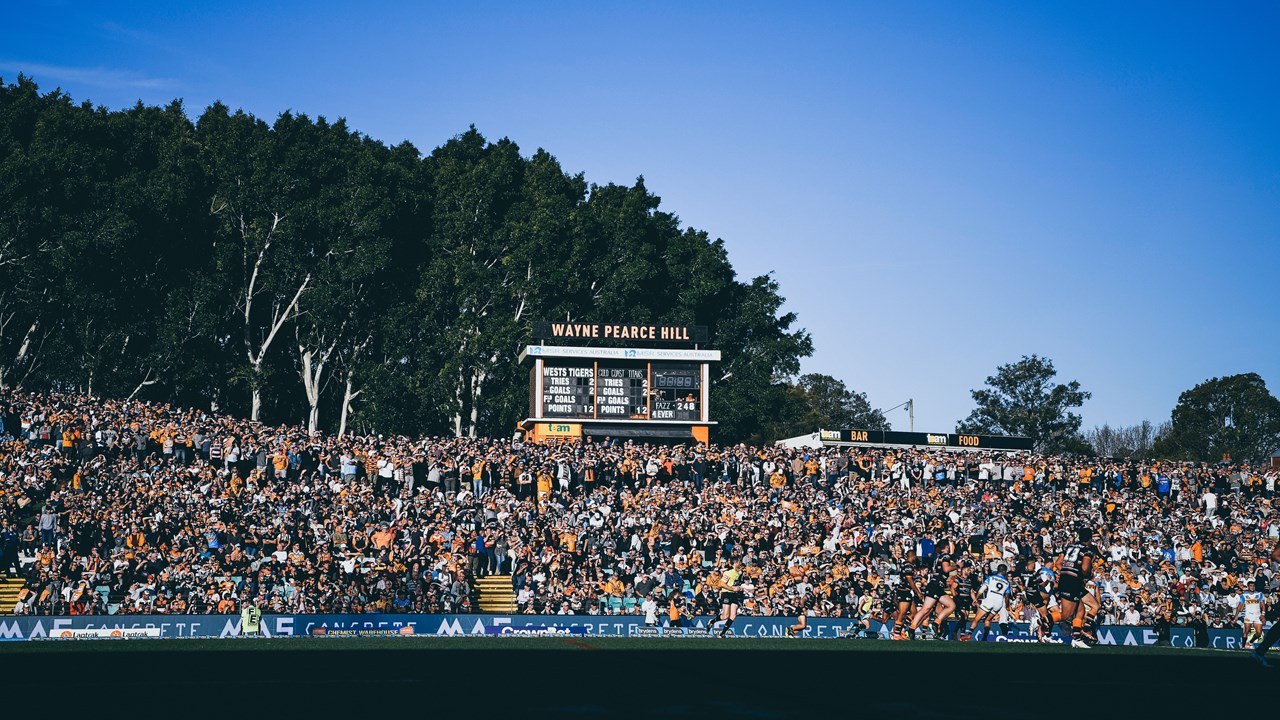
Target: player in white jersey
(1252,603)
(991,600)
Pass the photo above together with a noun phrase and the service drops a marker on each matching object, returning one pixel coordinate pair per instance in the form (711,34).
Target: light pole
(910,405)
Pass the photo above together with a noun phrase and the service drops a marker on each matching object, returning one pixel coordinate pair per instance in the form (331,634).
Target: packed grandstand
(129,507)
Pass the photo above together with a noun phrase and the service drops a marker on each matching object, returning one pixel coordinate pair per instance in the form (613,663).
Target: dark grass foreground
(590,677)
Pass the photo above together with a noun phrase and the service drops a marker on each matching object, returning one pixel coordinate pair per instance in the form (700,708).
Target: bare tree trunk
(256,358)
(458,405)
(146,380)
(312,378)
(26,342)
(347,396)
(311,384)
(313,363)
(478,378)
(278,315)
(477,387)
(31,356)
(4,323)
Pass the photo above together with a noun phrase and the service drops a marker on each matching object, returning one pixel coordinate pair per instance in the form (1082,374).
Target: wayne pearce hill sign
(544,330)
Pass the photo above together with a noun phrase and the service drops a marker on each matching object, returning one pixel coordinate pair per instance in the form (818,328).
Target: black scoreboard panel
(569,390)
(624,391)
(677,391)
(621,390)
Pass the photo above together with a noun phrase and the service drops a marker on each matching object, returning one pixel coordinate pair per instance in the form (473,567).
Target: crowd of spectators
(132,507)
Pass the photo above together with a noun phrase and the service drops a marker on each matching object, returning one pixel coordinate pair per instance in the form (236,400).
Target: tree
(1021,399)
(470,288)
(1134,441)
(215,263)
(43,209)
(261,254)
(1234,415)
(818,401)
(760,353)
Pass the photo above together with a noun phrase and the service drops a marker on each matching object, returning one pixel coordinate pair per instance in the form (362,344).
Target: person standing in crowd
(48,526)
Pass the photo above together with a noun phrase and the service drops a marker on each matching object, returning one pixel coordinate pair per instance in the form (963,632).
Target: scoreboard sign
(619,390)
(632,332)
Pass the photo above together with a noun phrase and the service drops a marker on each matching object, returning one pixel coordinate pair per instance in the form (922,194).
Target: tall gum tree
(258,175)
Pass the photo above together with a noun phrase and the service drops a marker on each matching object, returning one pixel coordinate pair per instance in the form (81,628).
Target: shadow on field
(583,682)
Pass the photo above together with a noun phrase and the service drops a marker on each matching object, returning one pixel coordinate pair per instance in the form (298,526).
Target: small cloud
(99,77)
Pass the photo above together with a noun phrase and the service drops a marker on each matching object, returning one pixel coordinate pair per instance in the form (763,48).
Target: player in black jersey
(1260,650)
(1075,567)
(906,594)
(1038,587)
(962,590)
(936,600)
(802,618)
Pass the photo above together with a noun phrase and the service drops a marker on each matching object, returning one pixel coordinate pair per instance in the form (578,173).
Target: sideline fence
(384,625)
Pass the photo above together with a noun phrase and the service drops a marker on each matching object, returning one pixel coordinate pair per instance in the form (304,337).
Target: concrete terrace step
(496,594)
(9,589)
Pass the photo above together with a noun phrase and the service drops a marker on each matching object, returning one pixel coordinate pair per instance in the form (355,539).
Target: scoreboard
(644,393)
(619,390)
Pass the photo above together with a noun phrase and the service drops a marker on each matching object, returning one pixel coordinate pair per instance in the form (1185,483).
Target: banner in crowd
(389,625)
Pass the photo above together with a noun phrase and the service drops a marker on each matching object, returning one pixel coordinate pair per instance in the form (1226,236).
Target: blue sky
(939,187)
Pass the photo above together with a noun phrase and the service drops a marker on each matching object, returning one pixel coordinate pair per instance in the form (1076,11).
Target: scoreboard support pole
(706,393)
(538,403)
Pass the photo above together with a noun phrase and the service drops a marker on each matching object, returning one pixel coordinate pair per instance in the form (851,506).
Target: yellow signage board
(561,430)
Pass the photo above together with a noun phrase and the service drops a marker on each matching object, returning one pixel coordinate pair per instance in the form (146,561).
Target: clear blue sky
(939,187)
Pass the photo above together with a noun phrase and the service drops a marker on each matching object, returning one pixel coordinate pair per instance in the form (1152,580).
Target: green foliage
(761,352)
(295,269)
(1022,399)
(816,402)
(1234,415)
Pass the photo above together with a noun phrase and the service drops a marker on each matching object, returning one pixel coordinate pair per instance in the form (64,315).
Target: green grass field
(483,677)
(579,644)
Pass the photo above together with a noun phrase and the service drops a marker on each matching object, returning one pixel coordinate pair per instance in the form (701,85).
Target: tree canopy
(815,401)
(1234,416)
(1022,399)
(299,271)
